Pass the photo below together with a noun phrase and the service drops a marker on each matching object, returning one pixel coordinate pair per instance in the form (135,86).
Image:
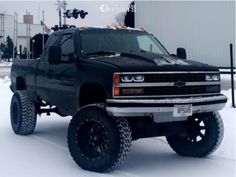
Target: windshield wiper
(101,53)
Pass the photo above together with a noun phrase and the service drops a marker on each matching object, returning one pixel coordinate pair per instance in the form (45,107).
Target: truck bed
(24,68)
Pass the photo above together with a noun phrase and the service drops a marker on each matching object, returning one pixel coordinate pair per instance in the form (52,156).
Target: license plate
(182,110)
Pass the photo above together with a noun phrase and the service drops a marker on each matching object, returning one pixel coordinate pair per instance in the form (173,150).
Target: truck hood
(146,61)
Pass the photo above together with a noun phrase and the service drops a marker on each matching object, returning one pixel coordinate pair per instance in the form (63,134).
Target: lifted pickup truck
(118,85)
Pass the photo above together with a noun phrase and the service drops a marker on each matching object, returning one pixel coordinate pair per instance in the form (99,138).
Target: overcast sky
(100,12)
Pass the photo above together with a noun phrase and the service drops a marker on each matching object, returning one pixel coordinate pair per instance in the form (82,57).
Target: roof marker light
(143,29)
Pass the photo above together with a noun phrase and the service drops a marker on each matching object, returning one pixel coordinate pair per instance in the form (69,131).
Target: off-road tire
(214,131)
(23,114)
(116,131)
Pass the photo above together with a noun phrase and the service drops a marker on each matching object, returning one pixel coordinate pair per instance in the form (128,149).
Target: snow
(45,152)
(226,77)
(4,63)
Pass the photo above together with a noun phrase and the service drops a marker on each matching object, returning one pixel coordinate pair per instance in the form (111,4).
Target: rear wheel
(204,133)
(23,114)
(98,142)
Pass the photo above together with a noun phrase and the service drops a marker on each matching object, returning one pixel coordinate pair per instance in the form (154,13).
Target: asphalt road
(225,83)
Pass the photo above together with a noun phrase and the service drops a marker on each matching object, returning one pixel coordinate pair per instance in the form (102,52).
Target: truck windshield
(107,42)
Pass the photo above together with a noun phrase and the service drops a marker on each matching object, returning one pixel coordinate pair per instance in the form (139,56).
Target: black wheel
(23,114)
(98,142)
(204,133)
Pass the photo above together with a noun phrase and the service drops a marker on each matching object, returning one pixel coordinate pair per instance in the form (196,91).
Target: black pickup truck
(119,85)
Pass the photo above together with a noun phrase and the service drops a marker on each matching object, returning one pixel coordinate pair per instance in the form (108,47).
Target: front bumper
(162,109)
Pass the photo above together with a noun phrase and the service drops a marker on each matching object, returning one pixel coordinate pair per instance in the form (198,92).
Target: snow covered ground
(5,68)
(45,153)
(4,63)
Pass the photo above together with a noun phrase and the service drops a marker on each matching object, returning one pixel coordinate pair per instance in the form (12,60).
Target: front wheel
(204,133)
(98,142)
(23,114)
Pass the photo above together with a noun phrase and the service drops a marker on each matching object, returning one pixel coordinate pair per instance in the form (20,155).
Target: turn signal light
(116,79)
(116,91)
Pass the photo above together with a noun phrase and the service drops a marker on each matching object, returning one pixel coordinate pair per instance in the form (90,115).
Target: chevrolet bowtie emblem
(179,84)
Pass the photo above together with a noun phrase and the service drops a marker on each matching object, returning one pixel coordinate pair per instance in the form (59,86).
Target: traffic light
(75,13)
(83,14)
(68,13)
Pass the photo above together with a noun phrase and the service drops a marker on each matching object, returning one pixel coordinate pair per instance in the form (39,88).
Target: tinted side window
(52,40)
(67,45)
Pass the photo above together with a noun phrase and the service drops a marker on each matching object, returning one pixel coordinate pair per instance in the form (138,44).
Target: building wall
(34,29)
(204,28)
(8,26)
(22,31)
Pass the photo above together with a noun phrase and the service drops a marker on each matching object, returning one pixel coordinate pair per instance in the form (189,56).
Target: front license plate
(182,110)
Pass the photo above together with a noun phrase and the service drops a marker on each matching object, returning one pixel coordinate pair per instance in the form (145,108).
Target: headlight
(132,78)
(126,78)
(212,77)
(138,78)
(215,77)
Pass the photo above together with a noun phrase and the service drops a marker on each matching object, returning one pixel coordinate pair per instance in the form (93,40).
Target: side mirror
(54,56)
(181,53)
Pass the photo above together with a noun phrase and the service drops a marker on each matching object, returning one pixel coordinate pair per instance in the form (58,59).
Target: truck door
(62,77)
(42,79)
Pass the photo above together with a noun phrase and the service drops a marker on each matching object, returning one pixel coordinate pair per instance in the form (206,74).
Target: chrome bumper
(162,109)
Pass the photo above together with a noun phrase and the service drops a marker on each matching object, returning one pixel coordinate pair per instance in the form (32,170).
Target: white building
(204,28)
(19,32)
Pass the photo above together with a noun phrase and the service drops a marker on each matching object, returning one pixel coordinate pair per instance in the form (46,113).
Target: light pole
(0,50)
(33,41)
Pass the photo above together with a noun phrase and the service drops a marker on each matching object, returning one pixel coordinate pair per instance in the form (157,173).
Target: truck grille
(179,84)
(187,90)
(175,77)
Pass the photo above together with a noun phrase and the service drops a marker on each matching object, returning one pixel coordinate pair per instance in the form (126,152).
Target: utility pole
(2,15)
(59,11)
(232,74)
(60,17)
(64,8)
(39,13)
(0,49)
(61,5)
(16,31)
(2,31)
(2,25)
(14,35)
(43,31)
(28,37)
(1,36)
